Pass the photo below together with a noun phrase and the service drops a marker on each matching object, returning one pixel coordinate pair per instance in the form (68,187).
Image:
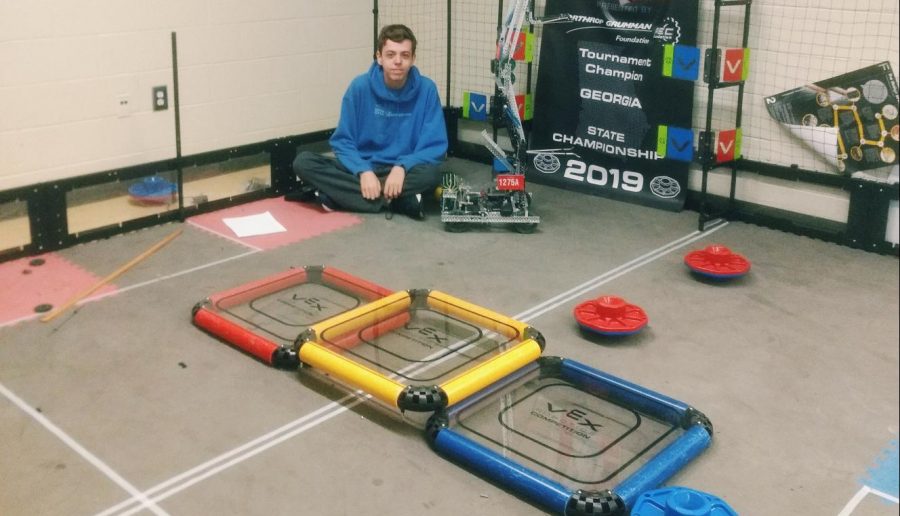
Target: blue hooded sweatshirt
(383,126)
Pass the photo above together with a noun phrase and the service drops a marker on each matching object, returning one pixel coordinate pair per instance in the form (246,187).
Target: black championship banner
(601,95)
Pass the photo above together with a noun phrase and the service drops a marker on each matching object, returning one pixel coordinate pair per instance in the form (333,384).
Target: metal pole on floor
(113,275)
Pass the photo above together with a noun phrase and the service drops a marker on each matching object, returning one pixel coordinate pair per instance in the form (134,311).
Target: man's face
(396,59)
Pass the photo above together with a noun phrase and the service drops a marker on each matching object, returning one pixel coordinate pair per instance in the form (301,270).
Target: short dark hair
(396,33)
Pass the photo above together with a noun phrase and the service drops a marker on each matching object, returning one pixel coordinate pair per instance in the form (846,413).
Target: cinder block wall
(76,78)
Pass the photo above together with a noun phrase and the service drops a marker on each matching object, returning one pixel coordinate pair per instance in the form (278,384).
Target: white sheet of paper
(252,225)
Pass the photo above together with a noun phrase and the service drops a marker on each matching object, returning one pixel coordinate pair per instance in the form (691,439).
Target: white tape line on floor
(83,452)
(860,496)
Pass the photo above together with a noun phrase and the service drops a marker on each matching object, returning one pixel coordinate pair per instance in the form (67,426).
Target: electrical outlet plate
(123,105)
(160,98)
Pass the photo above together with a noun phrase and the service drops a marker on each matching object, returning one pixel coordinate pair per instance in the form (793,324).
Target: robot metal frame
(506,202)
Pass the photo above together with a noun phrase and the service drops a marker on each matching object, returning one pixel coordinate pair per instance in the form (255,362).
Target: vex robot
(506,202)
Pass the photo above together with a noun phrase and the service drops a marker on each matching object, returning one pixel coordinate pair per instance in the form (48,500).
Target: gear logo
(546,163)
(668,32)
(665,187)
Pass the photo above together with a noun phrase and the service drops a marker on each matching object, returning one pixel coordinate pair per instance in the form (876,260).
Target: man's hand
(369,185)
(393,185)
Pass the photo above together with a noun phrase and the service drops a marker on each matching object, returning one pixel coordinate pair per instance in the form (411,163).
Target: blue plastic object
(571,439)
(680,501)
(152,190)
(528,484)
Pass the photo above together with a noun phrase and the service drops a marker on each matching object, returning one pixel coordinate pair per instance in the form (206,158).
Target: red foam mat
(301,221)
(25,286)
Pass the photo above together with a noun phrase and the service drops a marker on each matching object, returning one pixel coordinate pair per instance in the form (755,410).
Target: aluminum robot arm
(505,100)
(503,78)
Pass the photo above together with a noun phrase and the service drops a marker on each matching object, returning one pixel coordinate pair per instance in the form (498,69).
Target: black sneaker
(306,193)
(325,202)
(409,205)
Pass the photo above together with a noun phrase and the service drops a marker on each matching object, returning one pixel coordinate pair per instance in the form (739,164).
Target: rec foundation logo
(668,32)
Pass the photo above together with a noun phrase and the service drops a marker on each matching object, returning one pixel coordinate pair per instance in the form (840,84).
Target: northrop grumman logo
(572,420)
(668,32)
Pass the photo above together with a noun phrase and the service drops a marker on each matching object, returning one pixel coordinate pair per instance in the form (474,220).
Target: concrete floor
(124,407)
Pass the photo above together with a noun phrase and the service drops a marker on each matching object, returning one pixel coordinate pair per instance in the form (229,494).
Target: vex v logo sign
(733,66)
(728,145)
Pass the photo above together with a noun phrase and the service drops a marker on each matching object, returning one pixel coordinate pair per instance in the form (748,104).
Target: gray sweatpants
(330,177)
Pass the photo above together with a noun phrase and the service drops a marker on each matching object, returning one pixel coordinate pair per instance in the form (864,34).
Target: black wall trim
(855,235)
(866,221)
(47,206)
(46,202)
(793,173)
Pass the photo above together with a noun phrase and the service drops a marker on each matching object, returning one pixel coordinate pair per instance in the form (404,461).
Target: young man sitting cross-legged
(390,138)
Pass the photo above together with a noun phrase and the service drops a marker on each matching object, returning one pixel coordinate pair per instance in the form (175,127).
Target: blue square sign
(686,63)
(680,144)
(475,106)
